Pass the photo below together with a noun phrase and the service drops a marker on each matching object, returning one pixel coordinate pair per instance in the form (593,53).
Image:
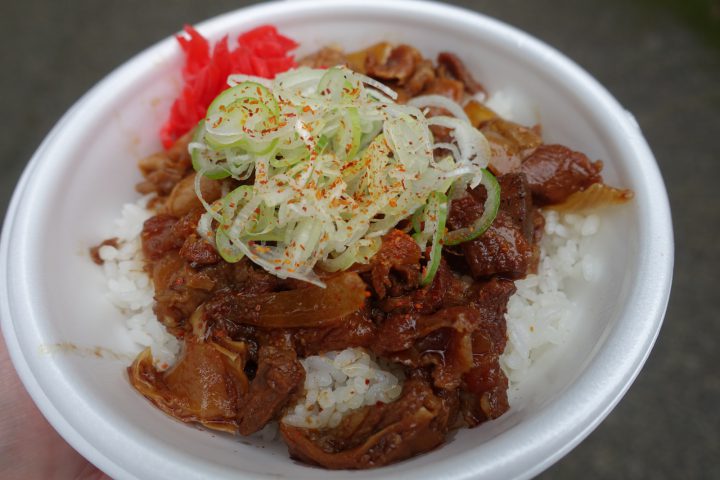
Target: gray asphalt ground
(661,59)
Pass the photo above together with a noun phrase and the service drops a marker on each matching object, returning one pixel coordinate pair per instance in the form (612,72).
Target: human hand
(29,447)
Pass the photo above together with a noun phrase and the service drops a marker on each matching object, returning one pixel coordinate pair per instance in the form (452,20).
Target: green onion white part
(336,164)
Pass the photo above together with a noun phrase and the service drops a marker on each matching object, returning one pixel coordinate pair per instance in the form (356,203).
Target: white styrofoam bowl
(86,168)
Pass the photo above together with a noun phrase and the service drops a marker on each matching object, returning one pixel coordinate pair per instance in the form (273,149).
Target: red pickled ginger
(262,52)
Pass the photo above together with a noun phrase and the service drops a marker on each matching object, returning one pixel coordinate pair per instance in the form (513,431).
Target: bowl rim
(617,372)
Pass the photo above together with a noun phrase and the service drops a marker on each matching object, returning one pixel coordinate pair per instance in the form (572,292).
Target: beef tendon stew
(334,250)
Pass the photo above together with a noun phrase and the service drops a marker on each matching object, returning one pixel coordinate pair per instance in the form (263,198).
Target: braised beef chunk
(394,63)
(446,290)
(326,57)
(450,65)
(311,307)
(516,202)
(183,199)
(447,87)
(198,251)
(396,266)
(507,247)
(356,330)
(465,210)
(163,170)
(158,238)
(399,331)
(490,299)
(378,435)
(442,340)
(510,143)
(484,391)
(204,386)
(209,384)
(554,172)
(186,270)
(501,250)
(164,233)
(252,280)
(279,375)
(186,225)
(179,290)
(424,75)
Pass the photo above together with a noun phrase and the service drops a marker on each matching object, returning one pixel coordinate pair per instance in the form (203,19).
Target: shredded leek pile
(336,164)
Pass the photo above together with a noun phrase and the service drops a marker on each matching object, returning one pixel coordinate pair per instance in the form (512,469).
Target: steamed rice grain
(338,382)
(130,288)
(540,314)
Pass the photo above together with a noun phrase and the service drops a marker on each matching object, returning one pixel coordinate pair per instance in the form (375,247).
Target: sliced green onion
(232,202)
(360,252)
(336,164)
(254,147)
(204,158)
(440,101)
(437,212)
(322,144)
(347,141)
(416,219)
(492,204)
(229,252)
(335,85)
(240,113)
(288,158)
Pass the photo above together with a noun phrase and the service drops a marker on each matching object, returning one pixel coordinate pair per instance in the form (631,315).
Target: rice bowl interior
(58,291)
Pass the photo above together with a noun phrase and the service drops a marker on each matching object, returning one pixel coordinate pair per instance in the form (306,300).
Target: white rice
(338,382)
(511,104)
(540,315)
(130,288)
